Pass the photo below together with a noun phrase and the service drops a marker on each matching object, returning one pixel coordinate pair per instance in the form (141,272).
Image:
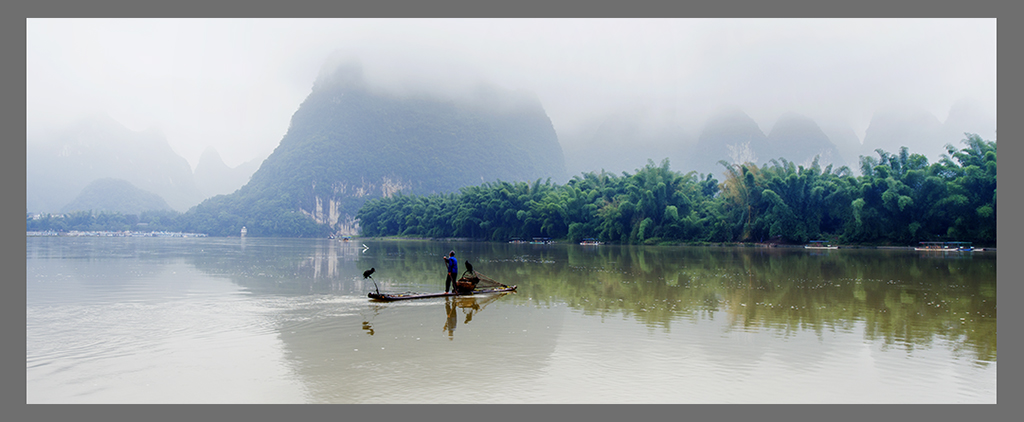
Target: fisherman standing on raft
(453,271)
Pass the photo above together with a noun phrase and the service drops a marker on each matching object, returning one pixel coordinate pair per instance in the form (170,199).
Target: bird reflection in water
(366,324)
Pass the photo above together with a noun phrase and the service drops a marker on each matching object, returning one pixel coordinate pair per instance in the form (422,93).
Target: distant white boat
(945,247)
(819,244)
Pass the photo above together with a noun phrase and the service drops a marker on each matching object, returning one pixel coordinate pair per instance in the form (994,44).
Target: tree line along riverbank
(898,200)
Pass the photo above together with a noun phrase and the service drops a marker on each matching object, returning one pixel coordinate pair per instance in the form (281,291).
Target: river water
(236,320)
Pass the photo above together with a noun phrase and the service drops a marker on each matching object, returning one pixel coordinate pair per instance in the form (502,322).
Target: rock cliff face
(350,142)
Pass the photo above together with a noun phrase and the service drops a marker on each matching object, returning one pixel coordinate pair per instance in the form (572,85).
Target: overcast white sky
(234,83)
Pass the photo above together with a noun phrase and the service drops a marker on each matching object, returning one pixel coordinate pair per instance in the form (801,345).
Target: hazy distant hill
(729,135)
(623,143)
(846,141)
(349,142)
(619,143)
(798,139)
(970,117)
(916,129)
(213,177)
(61,164)
(116,195)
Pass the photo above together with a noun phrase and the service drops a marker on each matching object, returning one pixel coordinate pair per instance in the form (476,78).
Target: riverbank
(76,233)
(714,244)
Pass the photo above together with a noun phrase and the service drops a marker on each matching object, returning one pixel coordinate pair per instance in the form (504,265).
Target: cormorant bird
(469,267)
(366,275)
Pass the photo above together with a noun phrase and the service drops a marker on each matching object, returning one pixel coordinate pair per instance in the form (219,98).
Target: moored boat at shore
(945,247)
(820,244)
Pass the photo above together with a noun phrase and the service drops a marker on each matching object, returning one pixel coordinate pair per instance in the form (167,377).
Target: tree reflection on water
(903,298)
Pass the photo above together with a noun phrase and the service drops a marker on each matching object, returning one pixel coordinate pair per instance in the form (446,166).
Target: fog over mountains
(351,141)
(117,196)
(62,164)
(190,108)
(621,143)
(213,177)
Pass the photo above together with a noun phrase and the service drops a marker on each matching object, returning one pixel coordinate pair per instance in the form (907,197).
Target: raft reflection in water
(470,306)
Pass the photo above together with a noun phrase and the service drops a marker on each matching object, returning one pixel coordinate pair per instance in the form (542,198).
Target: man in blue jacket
(453,271)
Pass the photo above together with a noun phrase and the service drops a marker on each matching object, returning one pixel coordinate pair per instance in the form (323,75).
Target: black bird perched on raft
(366,275)
(469,268)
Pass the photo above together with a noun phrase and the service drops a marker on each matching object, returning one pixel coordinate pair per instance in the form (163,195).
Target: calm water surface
(215,320)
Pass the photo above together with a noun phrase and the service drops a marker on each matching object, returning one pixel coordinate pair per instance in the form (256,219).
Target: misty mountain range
(622,144)
(215,178)
(349,142)
(61,166)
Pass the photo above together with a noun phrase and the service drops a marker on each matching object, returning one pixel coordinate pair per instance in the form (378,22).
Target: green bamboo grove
(898,199)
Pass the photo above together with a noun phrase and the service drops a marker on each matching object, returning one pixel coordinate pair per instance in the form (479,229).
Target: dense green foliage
(898,199)
(167,220)
(263,210)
